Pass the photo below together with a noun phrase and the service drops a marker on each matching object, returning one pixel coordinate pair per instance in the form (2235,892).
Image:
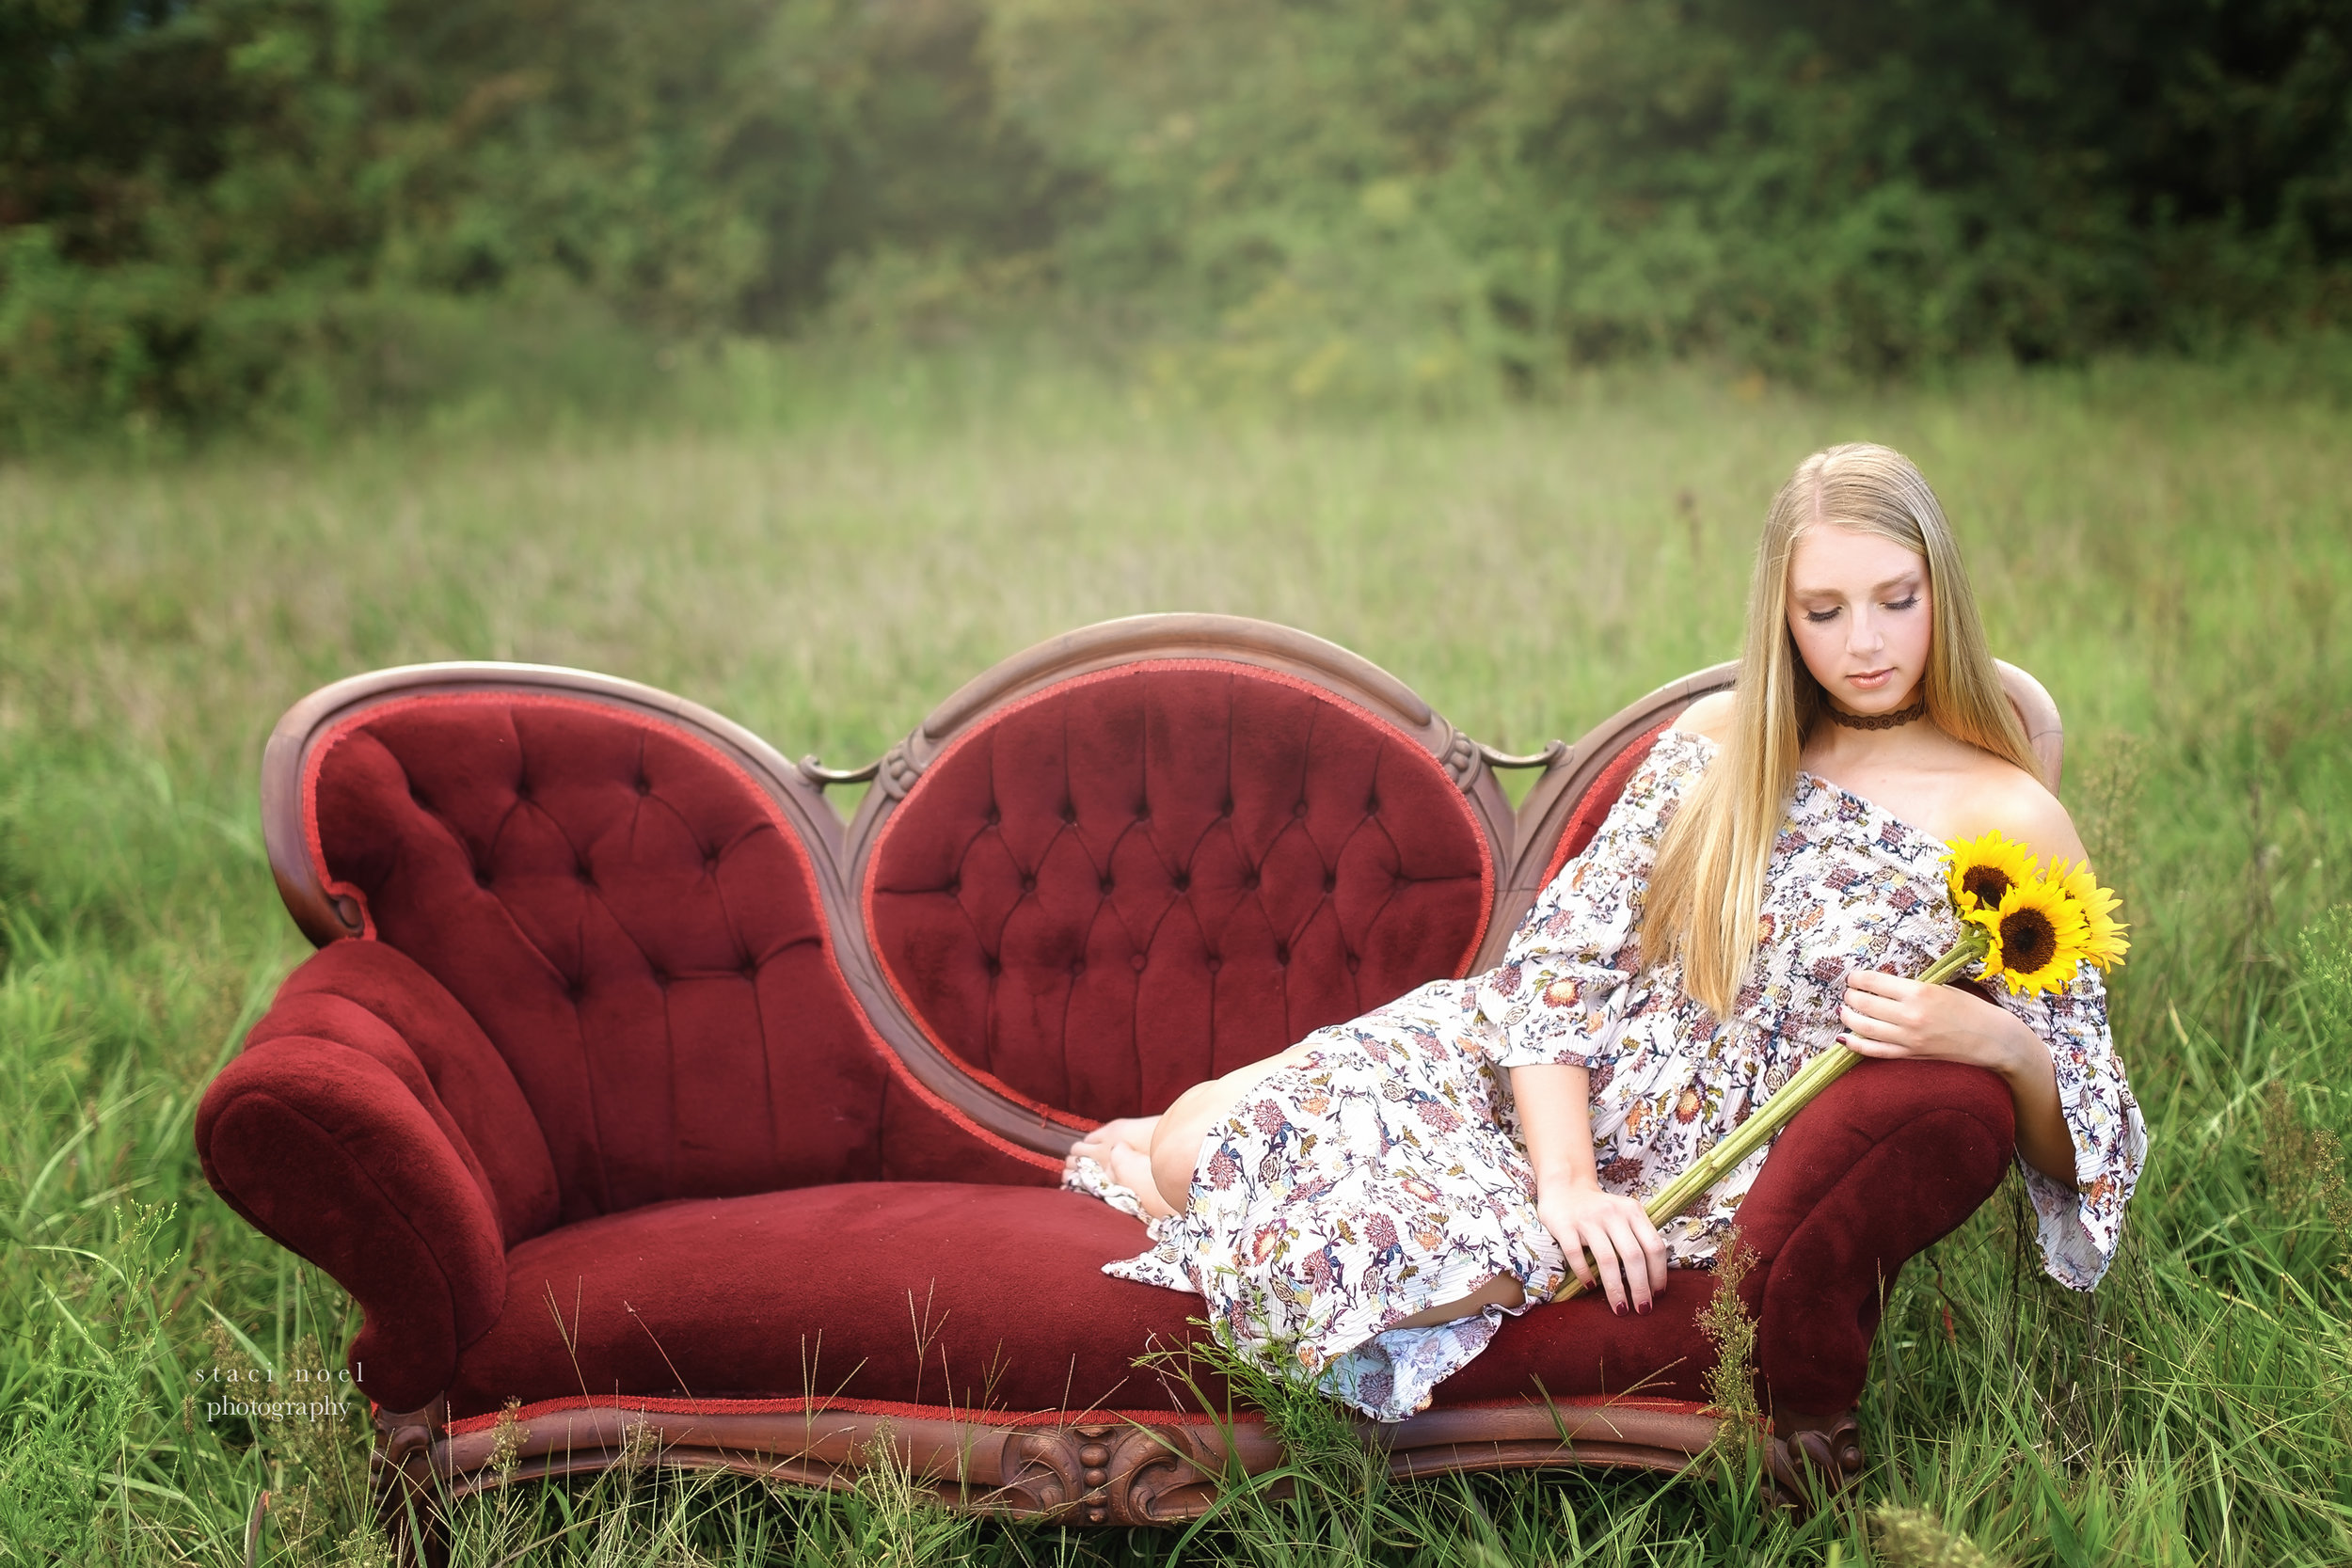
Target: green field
(824,552)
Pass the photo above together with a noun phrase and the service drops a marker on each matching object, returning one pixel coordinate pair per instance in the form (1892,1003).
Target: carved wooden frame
(285,834)
(1279,650)
(1085,1467)
(1521,843)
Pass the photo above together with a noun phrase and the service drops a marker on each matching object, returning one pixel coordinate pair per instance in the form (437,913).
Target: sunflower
(2103,943)
(1985,868)
(2036,936)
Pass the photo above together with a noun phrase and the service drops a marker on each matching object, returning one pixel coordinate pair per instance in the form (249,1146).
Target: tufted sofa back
(640,929)
(1113,885)
(1135,856)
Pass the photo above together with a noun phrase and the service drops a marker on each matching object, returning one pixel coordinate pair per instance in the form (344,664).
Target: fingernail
(1644,1309)
(1619,1309)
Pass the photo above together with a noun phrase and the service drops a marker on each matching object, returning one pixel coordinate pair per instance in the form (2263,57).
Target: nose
(1865,636)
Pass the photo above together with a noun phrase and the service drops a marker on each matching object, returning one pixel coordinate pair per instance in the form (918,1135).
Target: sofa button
(1028,884)
(1105,886)
(587,878)
(1137,963)
(1330,880)
(953,887)
(1282,956)
(1299,810)
(1078,969)
(1070,816)
(994,817)
(1354,963)
(644,786)
(1216,963)
(482,876)
(1249,878)
(991,964)
(1227,809)
(1371,805)
(1181,881)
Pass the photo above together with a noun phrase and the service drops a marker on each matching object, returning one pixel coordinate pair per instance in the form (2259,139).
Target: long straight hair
(1707,889)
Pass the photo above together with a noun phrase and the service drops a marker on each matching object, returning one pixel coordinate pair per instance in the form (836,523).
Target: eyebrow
(1912,576)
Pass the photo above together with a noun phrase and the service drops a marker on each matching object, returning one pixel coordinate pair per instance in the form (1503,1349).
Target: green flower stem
(1753,1133)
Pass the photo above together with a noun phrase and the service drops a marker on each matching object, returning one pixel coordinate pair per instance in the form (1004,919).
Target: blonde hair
(1707,889)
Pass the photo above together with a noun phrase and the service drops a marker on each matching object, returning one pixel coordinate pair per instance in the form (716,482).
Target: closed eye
(1818,616)
(1911,602)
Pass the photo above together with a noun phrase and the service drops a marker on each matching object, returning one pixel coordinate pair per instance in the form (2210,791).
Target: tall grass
(824,555)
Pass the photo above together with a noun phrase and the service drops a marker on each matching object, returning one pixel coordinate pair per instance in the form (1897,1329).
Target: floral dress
(1385,1172)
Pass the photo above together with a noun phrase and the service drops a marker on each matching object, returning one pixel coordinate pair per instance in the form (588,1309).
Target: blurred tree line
(210,208)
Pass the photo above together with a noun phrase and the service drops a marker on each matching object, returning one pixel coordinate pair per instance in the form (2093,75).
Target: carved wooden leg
(1109,1474)
(400,1472)
(1809,1459)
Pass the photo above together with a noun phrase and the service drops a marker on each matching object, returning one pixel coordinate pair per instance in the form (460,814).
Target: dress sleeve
(2081,1229)
(1559,994)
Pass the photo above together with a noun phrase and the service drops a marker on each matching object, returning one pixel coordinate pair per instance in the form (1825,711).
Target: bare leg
(1502,1290)
(1175,1146)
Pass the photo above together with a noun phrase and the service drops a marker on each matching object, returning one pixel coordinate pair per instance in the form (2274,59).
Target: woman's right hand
(1630,1254)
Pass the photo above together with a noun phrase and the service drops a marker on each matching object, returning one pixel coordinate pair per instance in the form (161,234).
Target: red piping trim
(1412,749)
(315,763)
(984,1417)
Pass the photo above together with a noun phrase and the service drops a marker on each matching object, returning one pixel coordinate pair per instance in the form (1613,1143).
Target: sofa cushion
(637,931)
(1134,879)
(937,1294)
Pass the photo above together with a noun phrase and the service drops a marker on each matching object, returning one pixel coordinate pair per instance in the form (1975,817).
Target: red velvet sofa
(631,1084)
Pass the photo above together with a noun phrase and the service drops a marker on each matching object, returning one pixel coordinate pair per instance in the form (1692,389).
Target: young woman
(1373,1200)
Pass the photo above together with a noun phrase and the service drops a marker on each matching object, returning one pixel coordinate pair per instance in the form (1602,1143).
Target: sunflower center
(2028,940)
(1988,884)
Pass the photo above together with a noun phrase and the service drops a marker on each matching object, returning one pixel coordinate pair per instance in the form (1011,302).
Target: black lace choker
(1878,721)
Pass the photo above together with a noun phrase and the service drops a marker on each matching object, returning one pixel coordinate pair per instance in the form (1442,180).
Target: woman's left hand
(1885,1015)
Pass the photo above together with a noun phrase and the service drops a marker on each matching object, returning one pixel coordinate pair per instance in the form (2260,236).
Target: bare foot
(1132,1132)
(1123,1147)
(1132,1169)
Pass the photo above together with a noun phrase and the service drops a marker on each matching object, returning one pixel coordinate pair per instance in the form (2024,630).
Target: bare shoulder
(2001,796)
(1710,716)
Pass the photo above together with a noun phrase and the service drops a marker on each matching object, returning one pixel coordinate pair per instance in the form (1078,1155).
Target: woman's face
(1858,609)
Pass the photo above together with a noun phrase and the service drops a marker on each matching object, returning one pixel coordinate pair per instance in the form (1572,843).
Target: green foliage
(230,207)
(308,214)
(1419,189)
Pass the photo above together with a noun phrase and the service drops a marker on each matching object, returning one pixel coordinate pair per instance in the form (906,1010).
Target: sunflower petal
(1984,868)
(2040,936)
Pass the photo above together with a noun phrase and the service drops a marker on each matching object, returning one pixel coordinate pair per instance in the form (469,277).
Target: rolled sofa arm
(330,1135)
(1890,1159)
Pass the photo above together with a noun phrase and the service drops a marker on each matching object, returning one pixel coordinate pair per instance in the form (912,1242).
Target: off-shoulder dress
(1386,1172)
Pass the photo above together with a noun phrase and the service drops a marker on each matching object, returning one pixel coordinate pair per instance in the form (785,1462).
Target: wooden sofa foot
(400,1473)
(1809,1459)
